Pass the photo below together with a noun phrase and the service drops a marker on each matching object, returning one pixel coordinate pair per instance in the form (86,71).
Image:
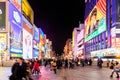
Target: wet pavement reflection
(78,73)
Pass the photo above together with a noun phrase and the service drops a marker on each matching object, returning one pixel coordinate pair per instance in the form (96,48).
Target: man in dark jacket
(19,70)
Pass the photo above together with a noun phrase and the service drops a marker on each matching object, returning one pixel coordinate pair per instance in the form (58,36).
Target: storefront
(97,36)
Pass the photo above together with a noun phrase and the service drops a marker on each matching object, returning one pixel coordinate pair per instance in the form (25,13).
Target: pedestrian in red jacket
(36,67)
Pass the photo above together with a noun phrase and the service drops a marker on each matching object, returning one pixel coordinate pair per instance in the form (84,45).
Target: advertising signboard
(17,4)
(35,53)
(27,45)
(15,16)
(15,20)
(95,23)
(27,10)
(3,46)
(2,16)
(42,40)
(109,52)
(36,34)
(3,42)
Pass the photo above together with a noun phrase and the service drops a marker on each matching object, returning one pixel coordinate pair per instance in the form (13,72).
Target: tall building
(78,41)
(68,47)
(102,28)
(74,41)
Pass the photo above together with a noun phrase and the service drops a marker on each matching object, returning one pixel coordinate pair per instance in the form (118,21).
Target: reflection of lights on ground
(45,71)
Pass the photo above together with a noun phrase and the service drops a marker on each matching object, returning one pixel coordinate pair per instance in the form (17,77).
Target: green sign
(16,55)
(101,28)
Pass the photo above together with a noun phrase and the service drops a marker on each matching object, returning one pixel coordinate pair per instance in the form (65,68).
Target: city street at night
(79,73)
(59,40)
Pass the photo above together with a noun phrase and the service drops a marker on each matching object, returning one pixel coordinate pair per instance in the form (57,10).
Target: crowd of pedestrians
(25,69)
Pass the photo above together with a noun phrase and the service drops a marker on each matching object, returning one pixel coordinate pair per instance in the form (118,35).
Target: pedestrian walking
(19,70)
(116,70)
(54,65)
(99,62)
(36,69)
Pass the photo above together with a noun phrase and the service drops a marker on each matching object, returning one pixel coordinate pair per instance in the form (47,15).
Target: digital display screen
(15,20)
(42,40)
(36,34)
(27,45)
(27,11)
(95,23)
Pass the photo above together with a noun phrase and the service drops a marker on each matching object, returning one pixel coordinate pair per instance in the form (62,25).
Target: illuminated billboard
(27,10)
(27,45)
(3,41)
(42,37)
(2,15)
(95,23)
(17,4)
(35,53)
(15,16)
(36,34)
(15,20)
(35,45)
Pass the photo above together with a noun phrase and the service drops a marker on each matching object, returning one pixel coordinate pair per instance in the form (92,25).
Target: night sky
(57,18)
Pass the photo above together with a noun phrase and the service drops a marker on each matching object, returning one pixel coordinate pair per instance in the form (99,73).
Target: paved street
(79,73)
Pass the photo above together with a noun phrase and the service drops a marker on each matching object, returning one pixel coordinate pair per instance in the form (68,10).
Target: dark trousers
(54,71)
(113,73)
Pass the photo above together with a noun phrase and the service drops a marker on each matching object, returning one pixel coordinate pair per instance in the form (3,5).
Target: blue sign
(15,19)
(36,34)
(15,16)
(35,53)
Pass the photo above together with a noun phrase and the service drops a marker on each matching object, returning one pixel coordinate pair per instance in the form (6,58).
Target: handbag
(117,70)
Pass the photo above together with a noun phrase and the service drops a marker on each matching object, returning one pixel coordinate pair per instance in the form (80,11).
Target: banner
(15,31)
(95,23)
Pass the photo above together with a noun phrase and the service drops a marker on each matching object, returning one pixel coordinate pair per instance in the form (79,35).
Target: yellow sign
(3,42)
(27,10)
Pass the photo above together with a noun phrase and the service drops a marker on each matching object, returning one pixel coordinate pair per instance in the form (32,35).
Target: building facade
(78,41)
(102,25)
